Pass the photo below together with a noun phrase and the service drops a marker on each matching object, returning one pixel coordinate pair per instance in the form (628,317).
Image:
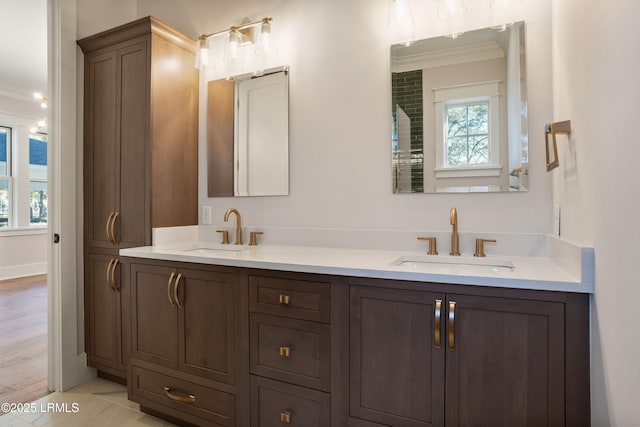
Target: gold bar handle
(436,329)
(113,224)
(285,351)
(480,246)
(284,299)
(225,236)
(108,228)
(285,417)
(433,245)
(173,274)
(253,237)
(452,325)
(175,290)
(190,398)
(113,276)
(108,274)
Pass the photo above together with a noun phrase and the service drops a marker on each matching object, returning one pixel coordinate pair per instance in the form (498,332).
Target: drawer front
(194,403)
(295,351)
(289,297)
(276,404)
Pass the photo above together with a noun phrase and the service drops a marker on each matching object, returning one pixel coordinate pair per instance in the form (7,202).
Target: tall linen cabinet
(140,166)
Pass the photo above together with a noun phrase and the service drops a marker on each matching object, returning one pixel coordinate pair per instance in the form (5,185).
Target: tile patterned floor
(96,403)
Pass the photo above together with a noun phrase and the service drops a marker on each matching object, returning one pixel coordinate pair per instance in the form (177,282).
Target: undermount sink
(212,249)
(419,262)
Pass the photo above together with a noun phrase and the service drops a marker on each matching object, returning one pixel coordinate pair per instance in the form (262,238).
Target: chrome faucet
(238,223)
(455,250)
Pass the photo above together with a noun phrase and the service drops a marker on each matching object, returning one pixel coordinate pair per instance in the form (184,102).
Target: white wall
(23,250)
(596,62)
(340,171)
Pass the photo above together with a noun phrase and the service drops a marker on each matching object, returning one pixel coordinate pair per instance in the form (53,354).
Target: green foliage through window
(467,134)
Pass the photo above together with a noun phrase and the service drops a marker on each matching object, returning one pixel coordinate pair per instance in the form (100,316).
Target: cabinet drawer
(275,404)
(295,351)
(196,404)
(299,299)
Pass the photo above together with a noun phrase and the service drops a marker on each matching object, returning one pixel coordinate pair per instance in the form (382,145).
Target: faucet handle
(433,250)
(252,237)
(225,236)
(480,246)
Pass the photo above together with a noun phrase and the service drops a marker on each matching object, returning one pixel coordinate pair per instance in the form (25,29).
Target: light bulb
(233,44)
(202,56)
(264,42)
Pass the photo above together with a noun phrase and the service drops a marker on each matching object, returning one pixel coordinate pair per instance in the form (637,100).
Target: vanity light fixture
(400,19)
(257,32)
(42,98)
(451,9)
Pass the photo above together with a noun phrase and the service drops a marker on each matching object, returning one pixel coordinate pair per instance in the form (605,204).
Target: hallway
(23,339)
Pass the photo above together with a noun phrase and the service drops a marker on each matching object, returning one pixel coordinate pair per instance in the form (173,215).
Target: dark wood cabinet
(396,367)
(140,158)
(187,334)
(481,357)
(184,320)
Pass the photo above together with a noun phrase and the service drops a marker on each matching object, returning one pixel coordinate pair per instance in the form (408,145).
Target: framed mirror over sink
(459,113)
(248,135)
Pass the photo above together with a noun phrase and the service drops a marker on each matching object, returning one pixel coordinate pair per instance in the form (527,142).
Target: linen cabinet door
(396,352)
(132,226)
(154,319)
(101,196)
(102,299)
(505,362)
(206,308)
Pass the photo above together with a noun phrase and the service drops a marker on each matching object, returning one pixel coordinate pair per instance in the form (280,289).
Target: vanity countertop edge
(536,273)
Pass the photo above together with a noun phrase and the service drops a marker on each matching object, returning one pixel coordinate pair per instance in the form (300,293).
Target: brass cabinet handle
(108,274)
(173,274)
(284,299)
(175,290)
(189,398)
(113,275)
(285,417)
(452,325)
(285,351)
(113,223)
(436,328)
(108,228)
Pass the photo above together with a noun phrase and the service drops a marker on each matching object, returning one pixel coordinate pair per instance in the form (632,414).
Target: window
(467,134)
(37,179)
(5,176)
(467,130)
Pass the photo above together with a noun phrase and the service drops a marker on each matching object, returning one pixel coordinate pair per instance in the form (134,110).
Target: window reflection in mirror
(459,113)
(248,135)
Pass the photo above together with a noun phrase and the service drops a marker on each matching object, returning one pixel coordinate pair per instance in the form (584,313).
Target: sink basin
(212,249)
(418,262)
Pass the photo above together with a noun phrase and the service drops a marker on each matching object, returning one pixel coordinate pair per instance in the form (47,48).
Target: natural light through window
(38,179)
(5,176)
(467,126)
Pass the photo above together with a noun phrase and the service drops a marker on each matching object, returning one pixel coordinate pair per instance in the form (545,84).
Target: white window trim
(466,93)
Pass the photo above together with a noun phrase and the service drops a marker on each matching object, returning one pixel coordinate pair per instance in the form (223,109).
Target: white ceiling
(23,45)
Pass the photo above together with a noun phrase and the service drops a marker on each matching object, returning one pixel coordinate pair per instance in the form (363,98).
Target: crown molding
(441,58)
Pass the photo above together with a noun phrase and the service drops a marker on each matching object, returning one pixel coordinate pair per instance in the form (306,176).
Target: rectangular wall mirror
(248,135)
(459,113)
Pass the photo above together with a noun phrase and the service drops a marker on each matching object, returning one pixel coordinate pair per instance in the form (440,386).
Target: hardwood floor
(23,339)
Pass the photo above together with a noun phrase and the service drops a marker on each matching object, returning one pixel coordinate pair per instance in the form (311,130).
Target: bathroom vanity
(277,335)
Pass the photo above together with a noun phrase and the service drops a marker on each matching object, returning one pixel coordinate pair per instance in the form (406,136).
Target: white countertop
(539,273)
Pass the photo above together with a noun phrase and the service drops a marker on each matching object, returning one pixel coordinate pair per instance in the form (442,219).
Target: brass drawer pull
(285,417)
(436,328)
(173,274)
(284,299)
(452,325)
(285,351)
(175,290)
(189,398)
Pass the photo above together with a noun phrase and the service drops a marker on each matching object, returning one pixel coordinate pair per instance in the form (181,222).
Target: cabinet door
(100,148)
(505,362)
(132,227)
(154,320)
(397,360)
(206,311)
(103,334)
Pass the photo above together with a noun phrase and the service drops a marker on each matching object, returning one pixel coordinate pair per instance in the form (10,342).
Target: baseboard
(24,270)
